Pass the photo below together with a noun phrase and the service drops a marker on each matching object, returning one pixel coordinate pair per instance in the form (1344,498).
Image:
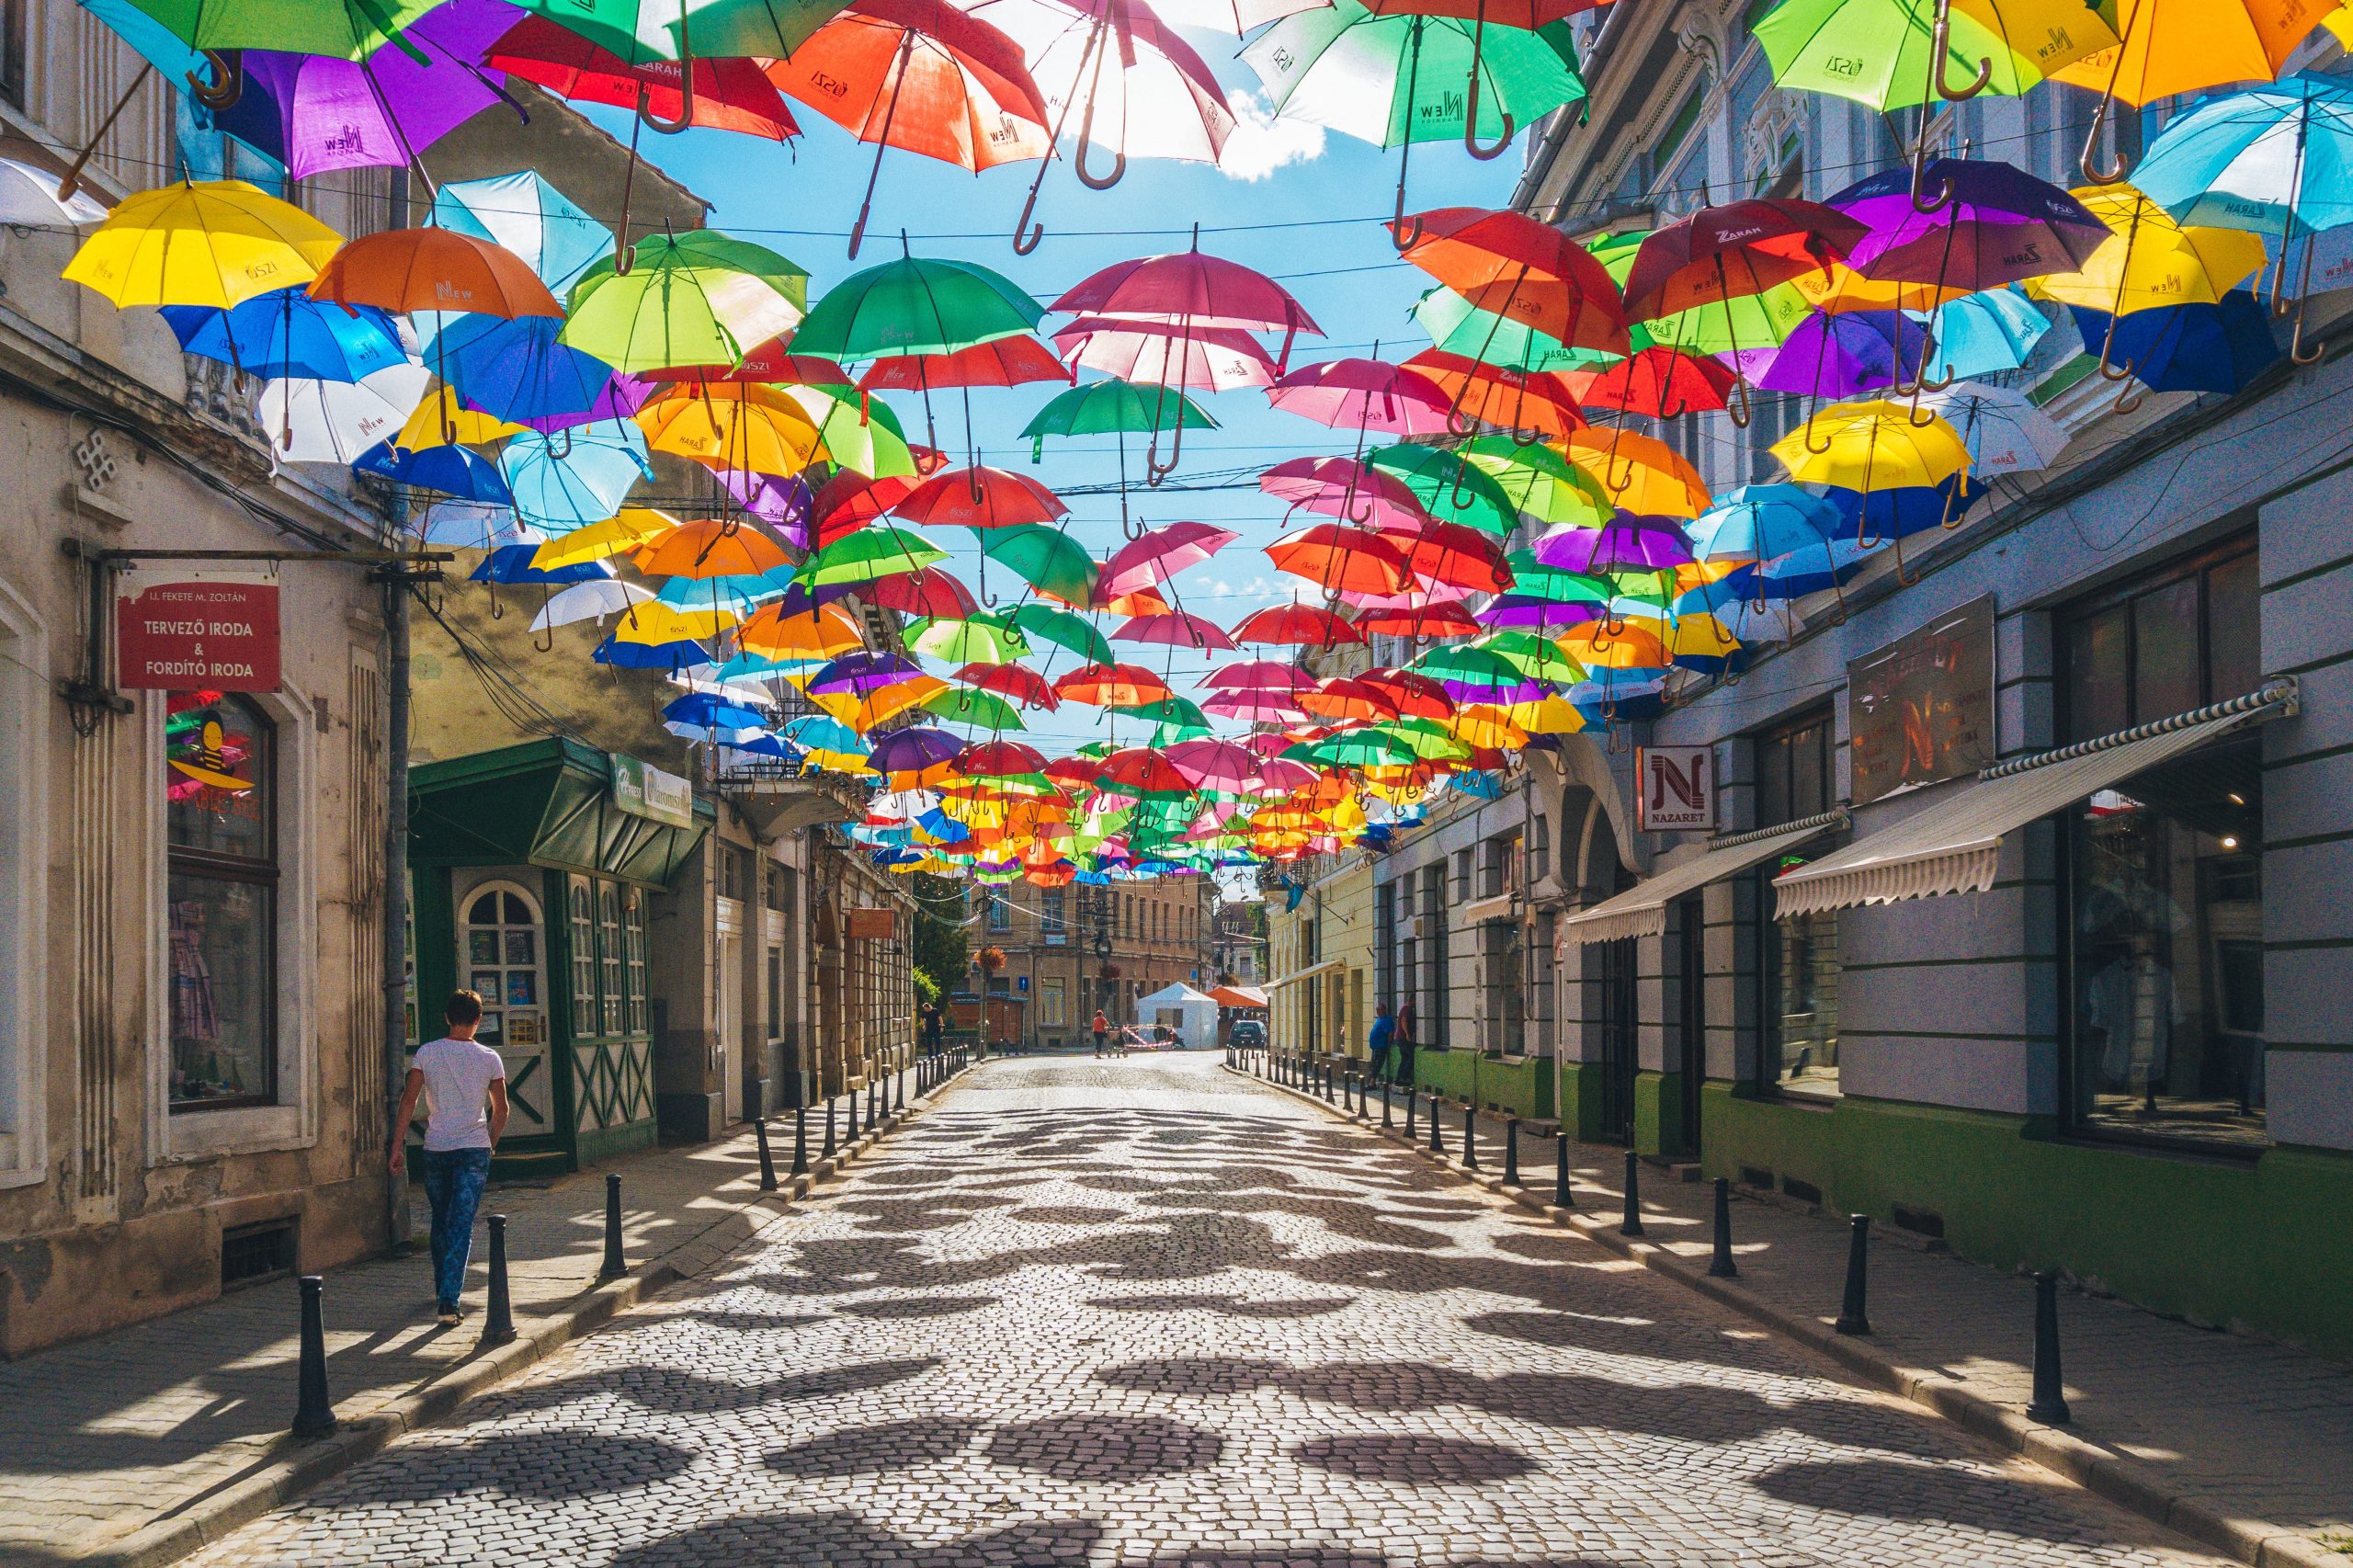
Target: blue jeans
(453,1184)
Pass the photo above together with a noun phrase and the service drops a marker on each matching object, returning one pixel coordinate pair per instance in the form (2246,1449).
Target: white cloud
(1261,142)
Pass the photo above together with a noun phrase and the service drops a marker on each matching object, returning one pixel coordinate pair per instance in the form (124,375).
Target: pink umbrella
(1159,554)
(1259,675)
(1366,394)
(1254,707)
(1420,596)
(1213,764)
(1212,359)
(1175,630)
(1281,775)
(1346,488)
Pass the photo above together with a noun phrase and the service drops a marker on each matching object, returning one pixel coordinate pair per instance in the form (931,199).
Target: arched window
(501,944)
(609,948)
(579,907)
(221,812)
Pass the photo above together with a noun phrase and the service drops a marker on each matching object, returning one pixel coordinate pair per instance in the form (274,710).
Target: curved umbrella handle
(1024,242)
(2088,163)
(566,434)
(1459,425)
(1086,177)
(1924,200)
(1740,416)
(1940,55)
(1806,436)
(547,646)
(685,115)
(1526,438)
(1485,152)
(228,84)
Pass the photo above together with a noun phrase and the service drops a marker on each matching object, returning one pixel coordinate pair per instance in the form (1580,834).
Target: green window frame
(579,909)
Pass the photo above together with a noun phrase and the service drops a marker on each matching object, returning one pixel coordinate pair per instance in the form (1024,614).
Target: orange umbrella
(433,269)
(754,428)
(712,548)
(1517,269)
(1641,474)
(821,633)
(1112,685)
(1339,559)
(1344,701)
(1528,403)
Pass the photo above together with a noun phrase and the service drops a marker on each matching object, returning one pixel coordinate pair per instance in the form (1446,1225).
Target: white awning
(1952,845)
(1640,910)
(1310,972)
(1478,912)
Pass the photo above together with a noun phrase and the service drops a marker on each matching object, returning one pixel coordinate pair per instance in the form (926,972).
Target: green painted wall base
(1522,1089)
(2260,1243)
(627,1139)
(1581,1102)
(1659,1115)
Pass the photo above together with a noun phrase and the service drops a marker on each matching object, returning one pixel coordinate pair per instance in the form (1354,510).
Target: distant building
(1069,951)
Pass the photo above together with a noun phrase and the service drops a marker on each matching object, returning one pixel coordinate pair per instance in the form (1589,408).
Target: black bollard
(827,1152)
(1852,1318)
(1388,1111)
(873,1113)
(313,1414)
(800,1139)
(1437,1125)
(614,1264)
(499,1319)
(1561,1197)
(1356,1081)
(1412,1102)
(1631,1222)
(1720,1265)
(2050,1402)
(1331,1081)
(1511,1151)
(768,1160)
(1470,1137)
(900,1099)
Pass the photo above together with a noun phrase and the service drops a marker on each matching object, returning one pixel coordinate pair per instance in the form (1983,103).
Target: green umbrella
(642,30)
(1355,748)
(1113,407)
(1427,739)
(1452,491)
(978,710)
(1745,321)
(1457,326)
(980,638)
(916,305)
(701,298)
(1541,482)
(858,433)
(1398,79)
(880,550)
(1047,559)
(1616,252)
(1537,658)
(345,30)
(1532,579)
(1878,52)
(1170,713)
(1054,624)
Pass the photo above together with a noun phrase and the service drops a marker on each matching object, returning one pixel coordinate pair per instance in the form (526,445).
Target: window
(1049,1005)
(609,955)
(580,905)
(1797,958)
(500,944)
(219,791)
(776,992)
(2165,872)
(1461,876)
(12,51)
(1000,912)
(1051,918)
(634,958)
(776,892)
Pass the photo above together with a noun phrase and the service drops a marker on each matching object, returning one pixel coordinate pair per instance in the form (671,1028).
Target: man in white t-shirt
(464,1086)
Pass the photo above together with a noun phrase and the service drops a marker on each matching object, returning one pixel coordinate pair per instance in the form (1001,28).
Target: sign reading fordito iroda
(204,630)
(1921,709)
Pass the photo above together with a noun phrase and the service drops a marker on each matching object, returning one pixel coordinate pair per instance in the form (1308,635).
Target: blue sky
(1337,261)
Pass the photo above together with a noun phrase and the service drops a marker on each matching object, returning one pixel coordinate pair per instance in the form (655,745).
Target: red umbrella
(771,364)
(1159,554)
(1438,622)
(999,759)
(1335,558)
(1453,556)
(1657,383)
(1143,601)
(1296,625)
(1531,404)
(1154,353)
(1369,394)
(980,498)
(1112,685)
(1014,680)
(848,501)
(1511,265)
(928,592)
(1142,771)
(1417,696)
(922,75)
(1174,629)
(1006,362)
(724,94)
(1346,488)
(1739,248)
(1344,701)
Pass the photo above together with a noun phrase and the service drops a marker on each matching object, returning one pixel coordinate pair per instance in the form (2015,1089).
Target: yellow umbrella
(442,420)
(1838,288)
(2150,260)
(1487,726)
(885,703)
(744,426)
(1599,646)
(651,621)
(631,527)
(1639,473)
(1552,715)
(1871,446)
(215,243)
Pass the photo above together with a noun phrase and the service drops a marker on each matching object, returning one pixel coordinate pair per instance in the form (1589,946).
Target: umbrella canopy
(2003,429)
(685,299)
(1639,473)
(579,476)
(1987,334)
(1048,560)
(752,427)
(1838,356)
(1894,54)
(1113,407)
(916,305)
(1187,287)
(592,600)
(1516,268)
(338,422)
(1497,395)
(2149,259)
(1140,89)
(1014,680)
(1001,362)
(2213,347)
(2184,46)
(344,30)
(1344,487)
(286,333)
(1364,394)
(1996,224)
(930,593)
(1065,629)
(216,242)
(1657,383)
(712,548)
(1211,358)
(1159,554)
(1336,557)
(980,498)
(1174,629)
(433,269)
(1869,446)
(519,369)
(639,30)
(1295,625)
(716,92)
(874,551)
(452,471)
(1739,248)
(1448,487)
(556,238)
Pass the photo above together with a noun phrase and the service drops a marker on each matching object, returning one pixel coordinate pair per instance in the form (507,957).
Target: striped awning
(1640,910)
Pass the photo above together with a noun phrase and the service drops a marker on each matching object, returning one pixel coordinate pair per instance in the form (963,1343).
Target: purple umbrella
(912,751)
(314,113)
(620,397)
(782,504)
(1838,356)
(1625,543)
(1994,224)
(1544,616)
(862,672)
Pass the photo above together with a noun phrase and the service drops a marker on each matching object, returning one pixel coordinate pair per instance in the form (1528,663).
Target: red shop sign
(208,632)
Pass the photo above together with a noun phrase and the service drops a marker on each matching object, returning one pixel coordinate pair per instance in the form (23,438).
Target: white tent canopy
(1182,1008)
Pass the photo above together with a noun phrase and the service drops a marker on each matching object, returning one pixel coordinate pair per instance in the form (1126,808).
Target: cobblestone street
(1142,1312)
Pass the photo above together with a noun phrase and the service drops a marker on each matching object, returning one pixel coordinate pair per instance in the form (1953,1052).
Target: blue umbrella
(1872,519)
(2195,347)
(707,710)
(753,667)
(512,563)
(1985,334)
(649,655)
(453,470)
(742,595)
(514,369)
(574,476)
(285,333)
(1764,523)
(523,213)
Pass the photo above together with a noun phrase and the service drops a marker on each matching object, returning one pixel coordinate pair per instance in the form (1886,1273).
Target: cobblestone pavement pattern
(1142,1312)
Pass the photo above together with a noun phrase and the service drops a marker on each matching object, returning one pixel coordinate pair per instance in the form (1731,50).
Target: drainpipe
(395,583)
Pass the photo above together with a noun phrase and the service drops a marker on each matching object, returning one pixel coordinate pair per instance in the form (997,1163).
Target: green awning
(543,803)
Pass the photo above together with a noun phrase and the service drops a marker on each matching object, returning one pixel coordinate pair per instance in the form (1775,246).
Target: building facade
(2017,926)
(1069,950)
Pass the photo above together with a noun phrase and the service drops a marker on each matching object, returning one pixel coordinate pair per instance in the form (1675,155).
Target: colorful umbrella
(754,427)
(1295,625)
(1174,630)
(1988,334)
(1161,554)
(1369,394)
(1988,223)
(980,498)
(1657,383)
(875,551)
(1048,560)
(555,237)
(916,305)
(718,92)
(575,476)
(216,242)
(2215,347)
(1211,358)
(1531,404)
(1891,54)
(336,422)
(2003,429)
(684,300)
(1336,557)
(1510,267)
(1060,626)
(286,333)
(1346,488)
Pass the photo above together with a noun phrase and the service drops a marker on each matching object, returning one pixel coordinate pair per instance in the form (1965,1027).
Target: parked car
(1247,1034)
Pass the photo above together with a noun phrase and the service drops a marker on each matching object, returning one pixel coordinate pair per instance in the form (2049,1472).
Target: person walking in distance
(1402,1041)
(1384,1037)
(1102,1027)
(465,1086)
(934,1028)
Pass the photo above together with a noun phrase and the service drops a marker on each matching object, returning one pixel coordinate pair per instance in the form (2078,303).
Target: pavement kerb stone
(297,1469)
(2129,1485)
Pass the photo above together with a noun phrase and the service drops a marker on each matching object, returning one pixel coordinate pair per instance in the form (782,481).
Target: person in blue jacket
(1385,1036)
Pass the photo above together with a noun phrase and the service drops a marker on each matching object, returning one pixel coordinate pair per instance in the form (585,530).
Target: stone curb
(2127,1485)
(294,1467)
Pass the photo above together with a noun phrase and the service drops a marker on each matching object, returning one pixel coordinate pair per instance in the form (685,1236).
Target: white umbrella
(476,525)
(592,600)
(29,196)
(335,421)
(2002,429)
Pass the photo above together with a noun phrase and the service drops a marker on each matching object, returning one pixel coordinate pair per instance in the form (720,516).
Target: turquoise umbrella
(574,476)
(1984,335)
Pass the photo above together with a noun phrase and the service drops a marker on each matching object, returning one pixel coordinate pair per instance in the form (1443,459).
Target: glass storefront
(1797,958)
(221,901)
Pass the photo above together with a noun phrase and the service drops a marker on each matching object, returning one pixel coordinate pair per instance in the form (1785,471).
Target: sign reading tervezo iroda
(203,631)
(1679,789)
(1921,709)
